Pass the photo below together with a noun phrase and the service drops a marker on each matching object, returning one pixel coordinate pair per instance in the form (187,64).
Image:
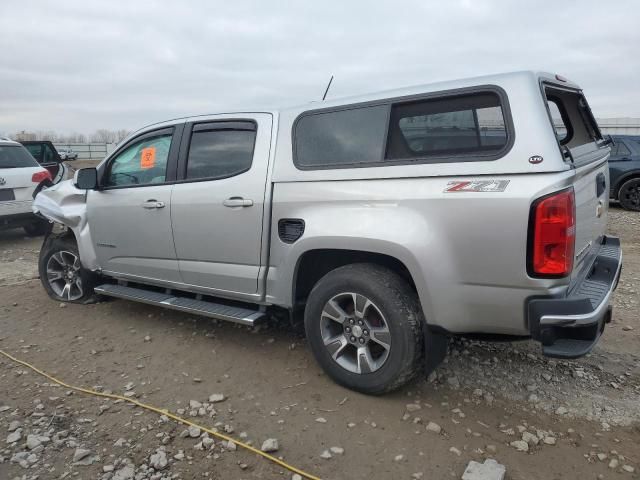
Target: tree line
(99,136)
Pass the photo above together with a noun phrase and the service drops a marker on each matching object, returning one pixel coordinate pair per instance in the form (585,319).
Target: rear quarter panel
(465,251)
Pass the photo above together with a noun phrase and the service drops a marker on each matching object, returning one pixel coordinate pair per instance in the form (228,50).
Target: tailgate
(591,186)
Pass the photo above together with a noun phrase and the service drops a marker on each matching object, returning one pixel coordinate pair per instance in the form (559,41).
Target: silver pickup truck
(385,222)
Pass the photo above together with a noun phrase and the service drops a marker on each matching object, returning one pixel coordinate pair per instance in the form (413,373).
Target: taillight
(552,235)
(39,177)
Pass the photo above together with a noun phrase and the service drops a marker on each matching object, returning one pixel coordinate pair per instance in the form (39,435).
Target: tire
(629,195)
(37,228)
(383,299)
(61,273)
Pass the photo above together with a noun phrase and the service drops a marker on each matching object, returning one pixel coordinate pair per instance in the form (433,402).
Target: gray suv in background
(384,222)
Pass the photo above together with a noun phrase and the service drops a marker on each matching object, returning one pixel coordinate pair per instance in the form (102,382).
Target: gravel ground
(541,418)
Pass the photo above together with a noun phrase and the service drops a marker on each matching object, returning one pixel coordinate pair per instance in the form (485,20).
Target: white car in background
(66,153)
(21,178)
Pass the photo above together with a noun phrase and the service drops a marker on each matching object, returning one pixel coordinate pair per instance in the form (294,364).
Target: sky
(78,65)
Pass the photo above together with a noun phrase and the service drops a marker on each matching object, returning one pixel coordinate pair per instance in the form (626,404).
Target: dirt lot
(581,419)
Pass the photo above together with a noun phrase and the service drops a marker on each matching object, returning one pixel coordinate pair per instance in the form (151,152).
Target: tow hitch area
(569,327)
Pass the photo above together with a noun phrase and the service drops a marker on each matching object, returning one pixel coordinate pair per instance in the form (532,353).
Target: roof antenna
(327,90)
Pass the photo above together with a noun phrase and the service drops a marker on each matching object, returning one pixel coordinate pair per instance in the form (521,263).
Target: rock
(413,407)
(81,453)
(398,458)
(455,451)
(491,448)
(13,426)
(628,468)
(194,432)
(453,382)
(295,476)
(520,445)
(159,460)
(270,445)
(489,470)
(108,468)
(120,442)
(321,420)
(614,463)
(14,436)
(230,446)
(33,441)
(549,440)
(602,456)
(433,427)
(530,438)
(337,450)
(326,455)
(207,441)
(194,404)
(216,398)
(125,473)
(179,456)
(561,411)
(627,328)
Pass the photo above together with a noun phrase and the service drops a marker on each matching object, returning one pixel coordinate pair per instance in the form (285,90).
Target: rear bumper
(570,326)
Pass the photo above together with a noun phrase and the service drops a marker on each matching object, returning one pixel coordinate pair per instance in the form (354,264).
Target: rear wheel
(629,194)
(61,272)
(364,325)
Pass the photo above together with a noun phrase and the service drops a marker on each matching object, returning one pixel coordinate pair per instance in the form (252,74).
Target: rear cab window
(455,127)
(573,122)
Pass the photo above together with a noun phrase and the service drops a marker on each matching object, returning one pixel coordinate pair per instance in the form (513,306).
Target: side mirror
(86,179)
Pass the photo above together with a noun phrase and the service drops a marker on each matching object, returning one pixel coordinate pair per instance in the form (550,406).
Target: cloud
(79,66)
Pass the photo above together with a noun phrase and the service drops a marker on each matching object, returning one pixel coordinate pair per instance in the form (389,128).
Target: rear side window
(220,153)
(619,149)
(16,156)
(461,127)
(35,150)
(448,126)
(49,155)
(341,138)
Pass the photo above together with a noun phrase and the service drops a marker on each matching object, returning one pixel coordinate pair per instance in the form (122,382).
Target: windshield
(16,156)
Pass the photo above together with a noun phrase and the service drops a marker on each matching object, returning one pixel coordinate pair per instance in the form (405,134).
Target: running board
(244,316)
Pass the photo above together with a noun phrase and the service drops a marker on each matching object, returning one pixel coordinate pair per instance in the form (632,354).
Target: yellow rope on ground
(163,412)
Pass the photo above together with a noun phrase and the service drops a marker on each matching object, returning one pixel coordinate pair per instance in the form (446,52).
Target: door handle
(237,202)
(151,204)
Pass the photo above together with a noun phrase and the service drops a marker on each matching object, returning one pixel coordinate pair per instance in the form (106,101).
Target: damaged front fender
(65,204)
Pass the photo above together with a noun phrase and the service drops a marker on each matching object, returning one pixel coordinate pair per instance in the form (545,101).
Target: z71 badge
(476,186)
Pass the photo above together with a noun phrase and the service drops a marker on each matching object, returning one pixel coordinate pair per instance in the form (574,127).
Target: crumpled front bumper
(570,326)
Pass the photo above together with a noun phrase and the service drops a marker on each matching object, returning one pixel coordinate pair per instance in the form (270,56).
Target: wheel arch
(633,174)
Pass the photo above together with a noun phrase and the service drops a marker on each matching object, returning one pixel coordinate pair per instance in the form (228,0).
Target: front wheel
(364,325)
(629,195)
(61,272)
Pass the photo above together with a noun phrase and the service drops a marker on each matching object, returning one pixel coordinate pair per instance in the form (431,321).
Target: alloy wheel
(63,275)
(355,333)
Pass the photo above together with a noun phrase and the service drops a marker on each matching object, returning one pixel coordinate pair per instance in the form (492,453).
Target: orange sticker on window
(148,157)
